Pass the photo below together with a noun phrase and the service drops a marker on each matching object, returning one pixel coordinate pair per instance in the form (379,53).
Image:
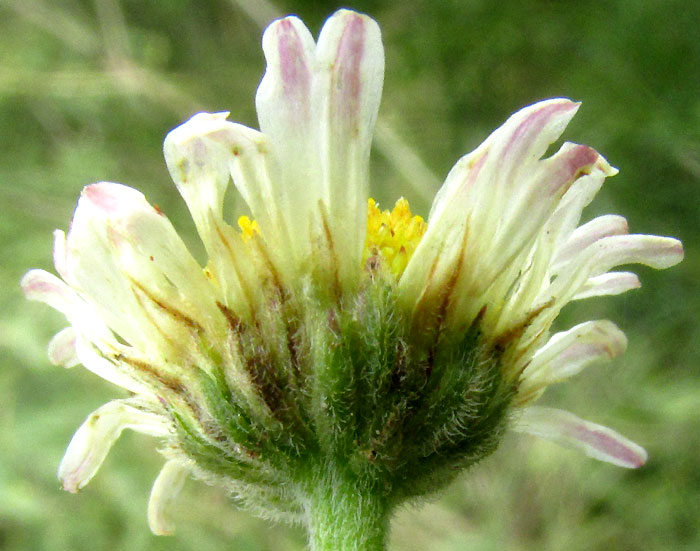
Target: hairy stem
(345,514)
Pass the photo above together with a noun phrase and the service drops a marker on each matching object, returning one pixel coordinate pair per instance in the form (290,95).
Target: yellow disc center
(392,236)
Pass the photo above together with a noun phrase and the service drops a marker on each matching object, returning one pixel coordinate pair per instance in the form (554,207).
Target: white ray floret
(166,488)
(93,440)
(568,430)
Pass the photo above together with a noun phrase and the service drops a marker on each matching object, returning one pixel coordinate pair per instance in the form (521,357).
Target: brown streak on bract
(442,310)
(517,330)
(269,392)
(276,281)
(234,322)
(418,309)
(173,312)
(293,347)
(522,352)
(166,336)
(452,281)
(331,249)
(144,367)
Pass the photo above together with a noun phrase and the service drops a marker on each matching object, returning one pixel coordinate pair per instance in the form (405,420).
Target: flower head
(326,338)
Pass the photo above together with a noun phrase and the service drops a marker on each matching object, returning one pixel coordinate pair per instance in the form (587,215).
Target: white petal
(606,253)
(651,250)
(62,348)
(93,440)
(202,154)
(92,269)
(47,288)
(93,361)
(131,264)
(60,254)
(318,105)
(568,213)
(493,205)
(146,244)
(612,283)
(166,488)
(348,87)
(594,440)
(568,352)
(285,109)
(589,233)
(199,171)
(513,148)
(284,100)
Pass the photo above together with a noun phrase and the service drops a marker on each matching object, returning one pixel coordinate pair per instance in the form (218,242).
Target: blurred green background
(88,89)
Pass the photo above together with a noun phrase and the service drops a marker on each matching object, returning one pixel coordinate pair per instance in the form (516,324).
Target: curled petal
(589,233)
(568,352)
(568,214)
(62,349)
(522,287)
(47,288)
(594,440)
(166,488)
(528,209)
(202,153)
(95,437)
(606,253)
(612,283)
(199,170)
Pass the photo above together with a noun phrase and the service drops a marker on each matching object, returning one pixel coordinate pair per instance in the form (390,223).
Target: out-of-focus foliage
(88,90)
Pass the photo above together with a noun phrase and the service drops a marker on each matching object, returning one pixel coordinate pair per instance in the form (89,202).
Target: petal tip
(351,16)
(28,284)
(678,250)
(640,459)
(109,199)
(165,489)
(70,485)
(62,349)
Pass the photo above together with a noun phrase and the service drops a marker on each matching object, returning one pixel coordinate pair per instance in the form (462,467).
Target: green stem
(345,515)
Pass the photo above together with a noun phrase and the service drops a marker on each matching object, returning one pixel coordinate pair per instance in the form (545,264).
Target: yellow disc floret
(392,236)
(248,227)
